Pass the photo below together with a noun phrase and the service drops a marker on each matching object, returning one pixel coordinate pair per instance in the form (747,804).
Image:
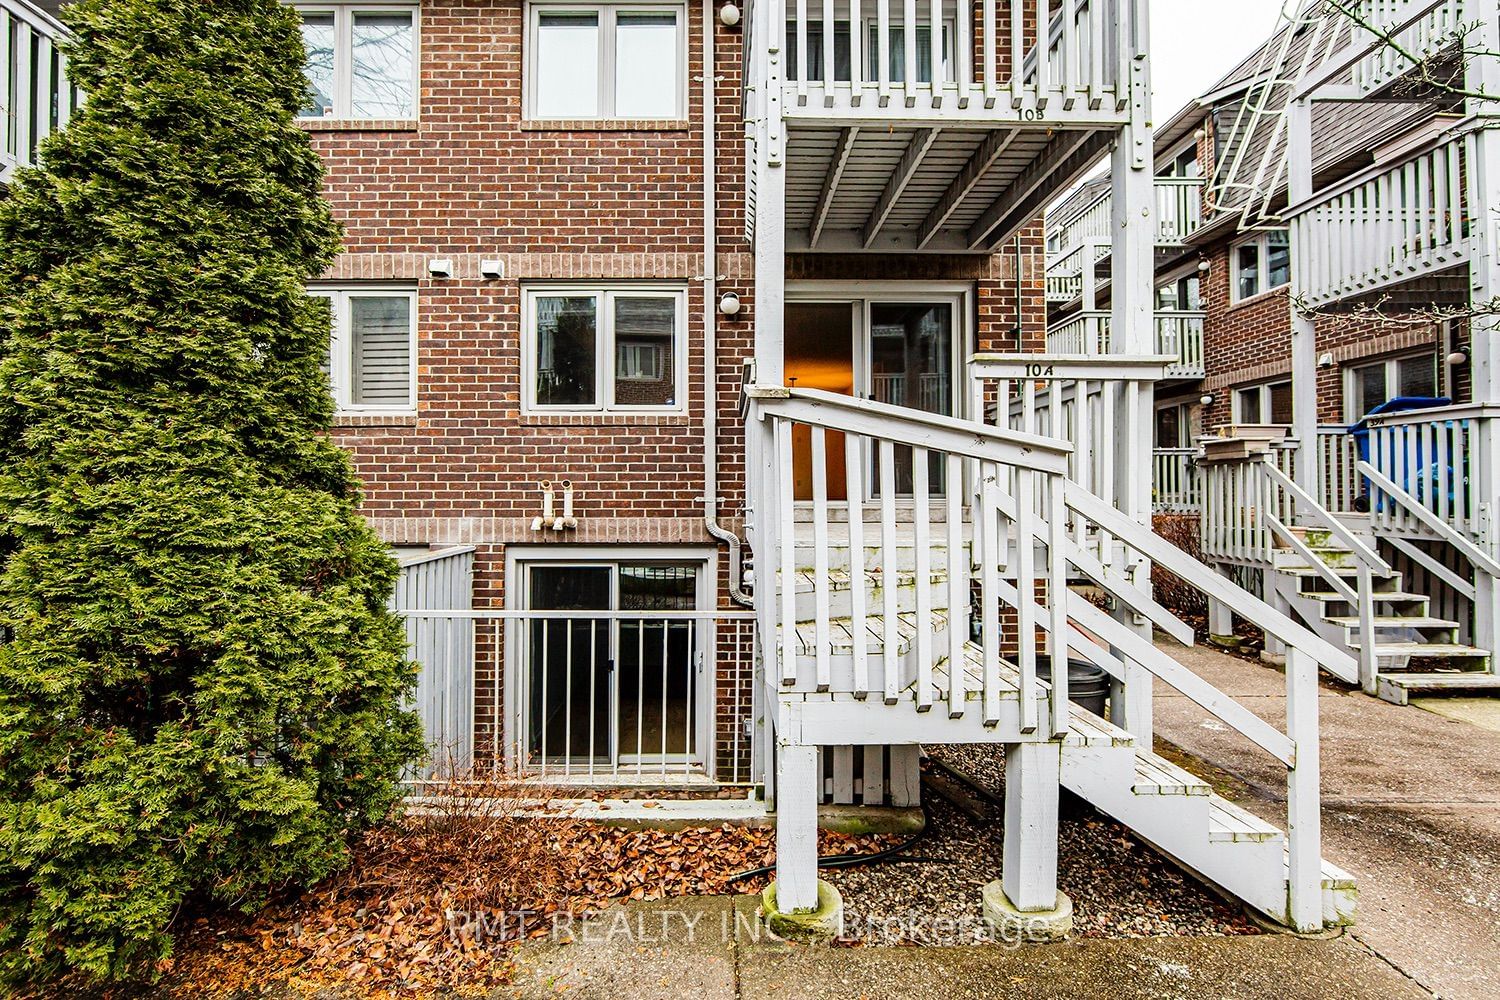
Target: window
(604,349)
(606,61)
(361,60)
(1184,163)
(1367,386)
(1182,295)
(1270,403)
(372,351)
(1261,264)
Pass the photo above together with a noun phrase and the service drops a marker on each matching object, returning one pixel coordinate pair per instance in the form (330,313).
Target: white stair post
(1304,818)
(796,828)
(1133,332)
(1220,617)
(1029,861)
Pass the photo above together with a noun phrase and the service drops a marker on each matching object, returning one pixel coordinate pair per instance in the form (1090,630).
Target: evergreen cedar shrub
(199,680)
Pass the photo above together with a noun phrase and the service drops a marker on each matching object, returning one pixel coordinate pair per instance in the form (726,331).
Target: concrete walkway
(1411,806)
(710,948)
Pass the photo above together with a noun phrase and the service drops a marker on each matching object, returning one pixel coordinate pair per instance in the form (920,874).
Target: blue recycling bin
(1361,434)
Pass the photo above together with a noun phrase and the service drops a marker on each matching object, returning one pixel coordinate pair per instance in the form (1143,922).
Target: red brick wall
(470,181)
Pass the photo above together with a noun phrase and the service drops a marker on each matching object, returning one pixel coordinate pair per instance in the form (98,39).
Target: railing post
(1367,660)
(1304,819)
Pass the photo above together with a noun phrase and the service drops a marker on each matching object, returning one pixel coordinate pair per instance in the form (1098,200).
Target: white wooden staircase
(1414,652)
(921,621)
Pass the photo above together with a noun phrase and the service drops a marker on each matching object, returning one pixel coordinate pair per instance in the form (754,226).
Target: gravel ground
(1120,887)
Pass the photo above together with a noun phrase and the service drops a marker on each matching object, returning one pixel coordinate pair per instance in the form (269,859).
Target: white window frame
(1391,377)
(604,346)
(1263,390)
(343,52)
(607,13)
(1263,268)
(340,347)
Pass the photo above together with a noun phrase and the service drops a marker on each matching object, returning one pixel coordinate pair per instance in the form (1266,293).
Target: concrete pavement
(724,957)
(1411,806)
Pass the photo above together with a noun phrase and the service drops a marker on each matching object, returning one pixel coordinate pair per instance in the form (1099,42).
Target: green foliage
(199,680)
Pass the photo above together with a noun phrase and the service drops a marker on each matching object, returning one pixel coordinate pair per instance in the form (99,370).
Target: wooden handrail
(1327,521)
(1442,528)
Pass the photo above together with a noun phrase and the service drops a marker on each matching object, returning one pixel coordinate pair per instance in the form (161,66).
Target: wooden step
(841,633)
(1085,729)
(1424,649)
(1229,823)
(1397,688)
(1157,776)
(1394,621)
(1381,596)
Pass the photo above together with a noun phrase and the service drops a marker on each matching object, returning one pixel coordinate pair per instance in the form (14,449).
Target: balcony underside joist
(926,188)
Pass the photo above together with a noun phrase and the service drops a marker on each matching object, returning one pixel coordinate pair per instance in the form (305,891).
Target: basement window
(361,60)
(371,357)
(606,62)
(604,349)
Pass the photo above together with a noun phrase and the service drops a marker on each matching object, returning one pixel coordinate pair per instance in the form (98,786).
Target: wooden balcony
(1393,224)
(1417,30)
(1179,335)
(37,97)
(950,143)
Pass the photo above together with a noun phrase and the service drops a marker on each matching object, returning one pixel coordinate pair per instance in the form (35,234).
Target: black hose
(887,856)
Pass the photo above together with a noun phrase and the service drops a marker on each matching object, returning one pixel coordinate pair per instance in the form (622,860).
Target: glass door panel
(911,361)
(657,663)
(569,667)
(819,354)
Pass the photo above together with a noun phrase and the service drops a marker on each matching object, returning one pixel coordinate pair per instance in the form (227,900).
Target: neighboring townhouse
(35,96)
(693,359)
(1390,157)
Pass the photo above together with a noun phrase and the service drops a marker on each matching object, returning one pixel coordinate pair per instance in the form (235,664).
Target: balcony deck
(947,146)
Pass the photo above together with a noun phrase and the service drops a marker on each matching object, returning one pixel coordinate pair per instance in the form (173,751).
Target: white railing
(1179,214)
(1179,208)
(1235,528)
(1406,33)
(1388,224)
(37,97)
(1179,334)
(1445,459)
(607,696)
(1032,523)
(1338,485)
(984,63)
(890,451)
(1174,481)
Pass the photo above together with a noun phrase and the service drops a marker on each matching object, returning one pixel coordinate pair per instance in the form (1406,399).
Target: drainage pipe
(711,321)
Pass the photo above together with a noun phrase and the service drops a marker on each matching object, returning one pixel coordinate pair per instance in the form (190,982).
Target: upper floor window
(1261,264)
(604,348)
(361,60)
(371,356)
(625,61)
(1182,295)
(1184,163)
(1369,385)
(895,51)
(1269,403)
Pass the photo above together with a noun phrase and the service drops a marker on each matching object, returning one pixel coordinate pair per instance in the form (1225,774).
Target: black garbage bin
(1088,685)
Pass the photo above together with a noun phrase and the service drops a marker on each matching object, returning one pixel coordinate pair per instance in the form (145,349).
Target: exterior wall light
(1207,399)
(730,15)
(1458,357)
(729,304)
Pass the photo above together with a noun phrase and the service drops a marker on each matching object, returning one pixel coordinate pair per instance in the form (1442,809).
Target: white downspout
(711,321)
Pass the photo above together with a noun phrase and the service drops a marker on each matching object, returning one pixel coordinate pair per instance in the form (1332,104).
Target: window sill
(605,125)
(642,418)
(356,420)
(358,124)
(1259,297)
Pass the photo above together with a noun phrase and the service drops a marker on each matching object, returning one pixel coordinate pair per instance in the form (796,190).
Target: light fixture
(1458,357)
(1207,399)
(493,269)
(440,267)
(729,304)
(729,14)
(1203,264)
(1200,134)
